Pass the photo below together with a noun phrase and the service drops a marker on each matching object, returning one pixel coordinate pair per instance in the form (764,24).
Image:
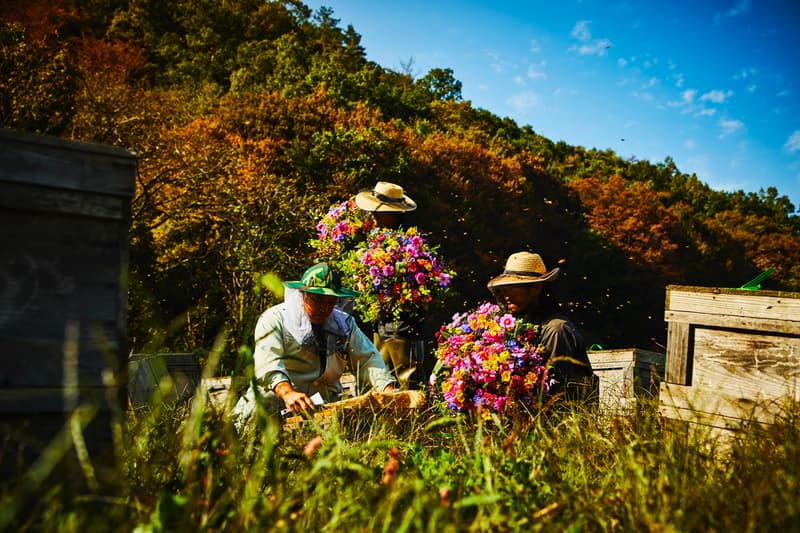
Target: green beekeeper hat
(320,279)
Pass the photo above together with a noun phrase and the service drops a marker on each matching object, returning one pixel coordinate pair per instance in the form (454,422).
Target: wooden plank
(679,353)
(734,322)
(38,362)
(31,400)
(42,227)
(397,404)
(611,359)
(23,197)
(55,162)
(715,408)
(747,365)
(769,305)
(43,311)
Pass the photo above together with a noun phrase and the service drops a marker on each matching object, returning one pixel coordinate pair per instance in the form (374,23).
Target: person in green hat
(303,345)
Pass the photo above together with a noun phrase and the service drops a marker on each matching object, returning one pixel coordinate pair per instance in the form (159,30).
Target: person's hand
(295,401)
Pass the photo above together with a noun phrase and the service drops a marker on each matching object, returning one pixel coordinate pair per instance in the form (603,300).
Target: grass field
(184,468)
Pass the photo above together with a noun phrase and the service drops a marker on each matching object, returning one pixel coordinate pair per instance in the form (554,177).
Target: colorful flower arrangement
(342,228)
(397,272)
(488,362)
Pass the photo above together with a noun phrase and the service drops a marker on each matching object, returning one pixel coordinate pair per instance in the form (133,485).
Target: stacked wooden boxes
(64,218)
(625,376)
(732,355)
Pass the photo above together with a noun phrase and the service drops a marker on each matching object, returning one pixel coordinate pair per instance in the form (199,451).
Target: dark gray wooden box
(64,219)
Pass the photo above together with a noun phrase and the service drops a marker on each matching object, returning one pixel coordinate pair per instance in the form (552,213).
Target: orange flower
(312,446)
(390,470)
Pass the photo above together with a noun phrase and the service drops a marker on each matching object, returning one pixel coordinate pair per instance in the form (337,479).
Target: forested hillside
(251,117)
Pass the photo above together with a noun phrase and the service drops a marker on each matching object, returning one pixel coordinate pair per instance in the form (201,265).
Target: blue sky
(713,84)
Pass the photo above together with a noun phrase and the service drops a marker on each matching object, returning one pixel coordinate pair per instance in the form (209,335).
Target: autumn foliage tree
(252,117)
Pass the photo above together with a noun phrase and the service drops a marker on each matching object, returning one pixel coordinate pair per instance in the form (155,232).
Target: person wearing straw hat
(522,288)
(387,202)
(303,345)
(400,341)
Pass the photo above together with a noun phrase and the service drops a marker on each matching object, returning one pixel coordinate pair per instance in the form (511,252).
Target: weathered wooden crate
(64,217)
(732,355)
(626,375)
(147,375)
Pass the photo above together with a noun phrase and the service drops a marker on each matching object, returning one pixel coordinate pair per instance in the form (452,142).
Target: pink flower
(507,321)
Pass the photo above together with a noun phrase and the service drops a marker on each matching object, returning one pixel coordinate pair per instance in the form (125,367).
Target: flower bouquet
(342,228)
(489,362)
(397,273)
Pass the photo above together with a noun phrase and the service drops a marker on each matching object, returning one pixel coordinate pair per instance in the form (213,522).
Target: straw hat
(523,268)
(320,279)
(385,196)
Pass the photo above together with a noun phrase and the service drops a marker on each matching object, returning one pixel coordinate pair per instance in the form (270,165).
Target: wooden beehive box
(64,218)
(626,375)
(146,375)
(732,355)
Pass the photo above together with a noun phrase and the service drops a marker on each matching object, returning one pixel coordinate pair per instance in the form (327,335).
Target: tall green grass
(184,468)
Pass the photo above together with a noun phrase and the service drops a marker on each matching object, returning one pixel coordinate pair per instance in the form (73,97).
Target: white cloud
(741,6)
(752,88)
(497,62)
(622,62)
(690,144)
(793,142)
(784,92)
(581,30)
(686,101)
(519,80)
(716,96)
(596,47)
(649,83)
(535,74)
(535,48)
(524,101)
(745,73)
(561,90)
(646,96)
(707,112)
(730,126)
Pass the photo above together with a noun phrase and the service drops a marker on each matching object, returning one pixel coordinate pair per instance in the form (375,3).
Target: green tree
(441,84)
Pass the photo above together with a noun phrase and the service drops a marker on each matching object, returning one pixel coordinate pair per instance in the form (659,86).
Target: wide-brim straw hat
(385,196)
(320,279)
(523,268)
